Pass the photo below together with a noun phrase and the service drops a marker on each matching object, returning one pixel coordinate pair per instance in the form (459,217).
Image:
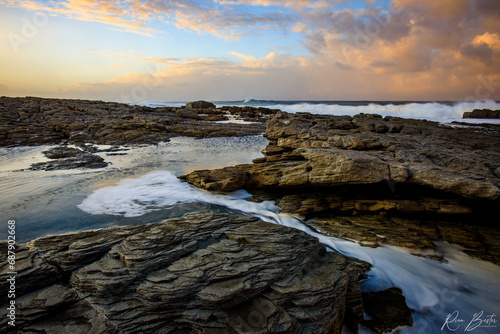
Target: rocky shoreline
(36,121)
(377,181)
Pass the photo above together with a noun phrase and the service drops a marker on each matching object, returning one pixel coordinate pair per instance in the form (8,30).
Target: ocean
(438,111)
(141,186)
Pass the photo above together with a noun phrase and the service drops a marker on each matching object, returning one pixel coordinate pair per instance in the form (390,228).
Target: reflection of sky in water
(45,202)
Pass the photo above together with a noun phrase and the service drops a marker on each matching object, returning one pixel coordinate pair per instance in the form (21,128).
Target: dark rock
(203,273)
(386,310)
(69,158)
(200,105)
(415,235)
(482,113)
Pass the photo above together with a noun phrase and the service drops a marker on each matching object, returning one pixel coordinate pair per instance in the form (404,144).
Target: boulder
(200,105)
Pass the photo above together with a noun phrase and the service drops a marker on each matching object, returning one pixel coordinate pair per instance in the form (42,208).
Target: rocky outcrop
(378,181)
(415,235)
(204,273)
(35,121)
(482,113)
(200,105)
(403,157)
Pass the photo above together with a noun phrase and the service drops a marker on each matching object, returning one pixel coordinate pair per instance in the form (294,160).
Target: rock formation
(204,273)
(391,172)
(316,151)
(482,113)
(35,121)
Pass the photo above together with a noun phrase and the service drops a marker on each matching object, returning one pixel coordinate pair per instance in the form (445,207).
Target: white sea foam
(433,111)
(433,289)
(156,190)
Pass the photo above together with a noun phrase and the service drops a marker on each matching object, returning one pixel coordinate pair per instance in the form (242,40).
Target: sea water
(438,111)
(46,202)
(458,295)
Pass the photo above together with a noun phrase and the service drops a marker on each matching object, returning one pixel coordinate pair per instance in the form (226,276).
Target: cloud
(419,49)
(204,17)
(383,63)
(481,52)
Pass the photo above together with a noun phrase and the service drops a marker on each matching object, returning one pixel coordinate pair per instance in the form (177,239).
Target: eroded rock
(327,153)
(202,273)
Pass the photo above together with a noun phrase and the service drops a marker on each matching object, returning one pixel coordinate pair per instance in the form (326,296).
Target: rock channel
(204,273)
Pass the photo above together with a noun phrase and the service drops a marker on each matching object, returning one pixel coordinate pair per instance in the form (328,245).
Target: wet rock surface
(418,236)
(203,273)
(35,121)
(378,180)
(386,310)
(64,157)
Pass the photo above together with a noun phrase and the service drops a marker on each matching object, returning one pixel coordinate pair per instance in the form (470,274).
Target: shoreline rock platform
(377,180)
(36,121)
(204,273)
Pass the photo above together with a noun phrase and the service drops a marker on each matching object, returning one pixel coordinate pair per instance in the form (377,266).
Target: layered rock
(204,273)
(378,180)
(34,121)
(314,152)
(416,235)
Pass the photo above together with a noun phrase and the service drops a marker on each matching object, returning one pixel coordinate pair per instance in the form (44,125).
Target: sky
(134,51)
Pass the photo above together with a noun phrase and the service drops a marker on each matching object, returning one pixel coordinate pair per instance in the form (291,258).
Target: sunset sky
(152,50)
